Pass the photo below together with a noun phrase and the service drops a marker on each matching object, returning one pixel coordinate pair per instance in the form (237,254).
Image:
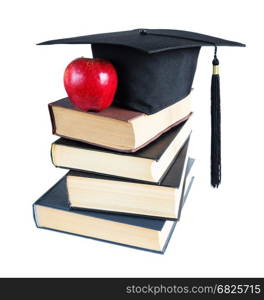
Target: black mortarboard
(155,69)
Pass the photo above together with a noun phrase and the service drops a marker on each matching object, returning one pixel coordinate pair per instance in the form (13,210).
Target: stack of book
(129,176)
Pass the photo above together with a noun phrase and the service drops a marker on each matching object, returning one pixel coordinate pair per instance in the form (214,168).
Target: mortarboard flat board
(156,69)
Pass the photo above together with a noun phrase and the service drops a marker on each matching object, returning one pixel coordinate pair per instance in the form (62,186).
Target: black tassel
(215,124)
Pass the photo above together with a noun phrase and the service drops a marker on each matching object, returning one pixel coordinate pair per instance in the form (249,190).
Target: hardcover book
(106,193)
(148,164)
(115,128)
(52,211)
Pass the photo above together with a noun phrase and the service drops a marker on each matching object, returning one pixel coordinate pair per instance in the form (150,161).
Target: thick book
(147,164)
(115,128)
(108,193)
(52,211)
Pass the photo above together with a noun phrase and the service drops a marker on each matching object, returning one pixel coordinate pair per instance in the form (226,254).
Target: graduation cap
(156,69)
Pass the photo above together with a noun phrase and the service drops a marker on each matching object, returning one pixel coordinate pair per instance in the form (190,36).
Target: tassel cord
(215,124)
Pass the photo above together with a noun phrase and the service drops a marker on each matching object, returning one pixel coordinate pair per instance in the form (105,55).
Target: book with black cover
(148,164)
(52,211)
(107,193)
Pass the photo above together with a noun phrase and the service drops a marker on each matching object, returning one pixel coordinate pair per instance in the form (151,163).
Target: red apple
(90,83)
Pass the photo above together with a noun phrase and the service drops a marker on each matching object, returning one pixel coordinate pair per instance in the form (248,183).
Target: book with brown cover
(115,128)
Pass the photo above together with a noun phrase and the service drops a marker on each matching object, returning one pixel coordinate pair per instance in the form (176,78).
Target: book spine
(35,215)
(51,154)
(52,119)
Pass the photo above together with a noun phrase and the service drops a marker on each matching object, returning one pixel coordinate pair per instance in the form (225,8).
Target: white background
(221,231)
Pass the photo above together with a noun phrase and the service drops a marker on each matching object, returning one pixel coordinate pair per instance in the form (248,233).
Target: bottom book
(52,211)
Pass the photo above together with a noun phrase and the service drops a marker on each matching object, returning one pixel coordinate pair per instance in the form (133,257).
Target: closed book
(148,164)
(108,193)
(52,211)
(115,128)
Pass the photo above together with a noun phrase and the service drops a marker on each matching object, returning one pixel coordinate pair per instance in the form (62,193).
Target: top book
(115,128)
